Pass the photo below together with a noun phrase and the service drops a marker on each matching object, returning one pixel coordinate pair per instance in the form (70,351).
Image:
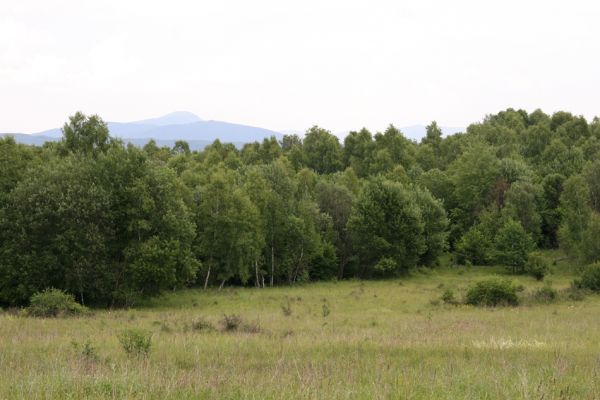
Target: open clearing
(352,339)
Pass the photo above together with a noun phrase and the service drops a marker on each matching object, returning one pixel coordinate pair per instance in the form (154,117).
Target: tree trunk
(256,271)
(207,276)
(272,264)
(222,284)
(298,264)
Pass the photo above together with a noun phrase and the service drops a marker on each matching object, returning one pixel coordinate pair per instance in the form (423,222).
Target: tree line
(110,222)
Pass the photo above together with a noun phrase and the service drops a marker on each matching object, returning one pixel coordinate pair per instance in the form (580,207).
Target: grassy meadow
(348,340)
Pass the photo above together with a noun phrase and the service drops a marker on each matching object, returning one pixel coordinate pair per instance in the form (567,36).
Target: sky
(288,65)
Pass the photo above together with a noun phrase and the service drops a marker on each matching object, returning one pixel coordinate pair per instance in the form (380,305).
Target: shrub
(536,266)
(473,248)
(286,308)
(54,303)
(448,297)
(202,325)
(590,279)
(86,350)
(136,342)
(545,294)
(231,323)
(492,293)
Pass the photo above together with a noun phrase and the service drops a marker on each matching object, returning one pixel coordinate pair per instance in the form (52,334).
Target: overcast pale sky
(279,64)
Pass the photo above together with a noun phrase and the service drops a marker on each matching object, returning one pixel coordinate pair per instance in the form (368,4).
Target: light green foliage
(576,212)
(88,135)
(136,342)
(54,303)
(512,245)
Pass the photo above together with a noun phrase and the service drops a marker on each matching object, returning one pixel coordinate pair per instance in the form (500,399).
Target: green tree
(322,151)
(576,212)
(387,223)
(88,135)
(512,245)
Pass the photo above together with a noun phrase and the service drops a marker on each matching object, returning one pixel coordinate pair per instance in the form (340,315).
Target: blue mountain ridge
(197,132)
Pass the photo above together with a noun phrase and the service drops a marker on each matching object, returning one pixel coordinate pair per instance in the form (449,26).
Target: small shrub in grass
(86,350)
(545,294)
(590,279)
(448,297)
(286,308)
(202,325)
(536,266)
(54,303)
(492,293)
(231,322)
(136,342)
(251,327)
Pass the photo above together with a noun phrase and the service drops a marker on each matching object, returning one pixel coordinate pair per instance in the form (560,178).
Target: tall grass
(379,339)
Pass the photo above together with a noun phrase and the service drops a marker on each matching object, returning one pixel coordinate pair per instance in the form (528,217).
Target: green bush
(545,294)
(231,323)
(536,266)
(136,342)
(54,303)
(590,279)
(448,297)
(474,247)
(513,245)
(492,293)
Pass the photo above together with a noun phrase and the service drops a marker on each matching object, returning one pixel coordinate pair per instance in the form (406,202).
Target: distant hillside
(182,125)
(167,129)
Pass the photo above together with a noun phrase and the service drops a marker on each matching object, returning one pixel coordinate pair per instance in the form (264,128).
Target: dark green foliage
(492,293)
(110,223)
(54,303)
(474,247)
(536,266)
(396,227)
(590,279)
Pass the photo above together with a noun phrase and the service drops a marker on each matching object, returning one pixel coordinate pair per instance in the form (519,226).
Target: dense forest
(111,223)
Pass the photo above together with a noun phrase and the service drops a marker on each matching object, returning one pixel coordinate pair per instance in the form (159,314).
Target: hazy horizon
(341,65)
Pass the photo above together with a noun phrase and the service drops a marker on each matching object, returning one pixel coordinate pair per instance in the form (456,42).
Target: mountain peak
(174,118)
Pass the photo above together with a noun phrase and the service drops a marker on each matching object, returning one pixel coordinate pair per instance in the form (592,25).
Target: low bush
(202,325)
(448,297)
(86,350)
(136,342)
(536,266)
(231,322)
(545,294)
(492,293)
(54,303)
(590,279)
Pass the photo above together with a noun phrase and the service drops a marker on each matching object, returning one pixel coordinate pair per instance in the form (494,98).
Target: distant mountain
(199,133)
(167,129)
(418,132)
